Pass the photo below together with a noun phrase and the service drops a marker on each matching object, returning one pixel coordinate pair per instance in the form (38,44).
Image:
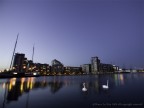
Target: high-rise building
(95,62)
(18,62)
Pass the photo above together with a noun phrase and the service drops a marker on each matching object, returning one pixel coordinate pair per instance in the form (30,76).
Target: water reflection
(118,79)
(55,87)
(16,87)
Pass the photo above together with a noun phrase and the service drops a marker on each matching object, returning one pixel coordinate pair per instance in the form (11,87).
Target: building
(106,68)
(57,67)
(86,68)
(43,69)
(30,66)
(95,63)
(69,70)
(116,68)
(18,62)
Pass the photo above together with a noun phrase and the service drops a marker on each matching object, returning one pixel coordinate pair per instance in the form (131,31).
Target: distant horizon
(73,31)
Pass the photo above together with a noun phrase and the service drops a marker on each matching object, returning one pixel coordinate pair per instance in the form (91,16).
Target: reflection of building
(14,92)
(16,87)
(57,67)
(86,68)
(95,62)
(55,86)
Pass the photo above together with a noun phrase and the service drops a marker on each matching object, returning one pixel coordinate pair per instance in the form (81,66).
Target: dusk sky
(73,31)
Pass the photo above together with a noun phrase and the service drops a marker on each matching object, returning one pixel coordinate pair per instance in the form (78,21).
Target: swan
(105,86)
(84,88)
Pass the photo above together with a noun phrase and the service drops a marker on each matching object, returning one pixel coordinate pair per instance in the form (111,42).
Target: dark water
(125,90)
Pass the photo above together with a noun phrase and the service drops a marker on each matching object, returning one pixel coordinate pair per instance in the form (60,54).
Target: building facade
(95,65)
(18,62)
(69,70)
(43,69)
(116,68)
(86,68)
(106,68)
(57,67)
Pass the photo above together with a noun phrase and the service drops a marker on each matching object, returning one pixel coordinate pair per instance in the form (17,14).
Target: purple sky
(73,31)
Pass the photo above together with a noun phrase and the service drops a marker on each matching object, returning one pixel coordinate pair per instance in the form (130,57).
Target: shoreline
(9,75)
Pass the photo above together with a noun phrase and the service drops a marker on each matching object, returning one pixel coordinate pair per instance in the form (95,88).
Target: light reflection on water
(66,91)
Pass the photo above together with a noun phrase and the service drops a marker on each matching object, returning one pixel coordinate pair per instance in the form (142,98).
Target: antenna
(14,51)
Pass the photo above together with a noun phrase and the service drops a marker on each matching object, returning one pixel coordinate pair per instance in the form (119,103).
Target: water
(125,90)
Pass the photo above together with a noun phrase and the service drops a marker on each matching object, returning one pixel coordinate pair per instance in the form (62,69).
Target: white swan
(105,86)
(84,88)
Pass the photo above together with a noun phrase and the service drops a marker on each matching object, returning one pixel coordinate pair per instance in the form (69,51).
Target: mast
(33,52)
(14,51)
